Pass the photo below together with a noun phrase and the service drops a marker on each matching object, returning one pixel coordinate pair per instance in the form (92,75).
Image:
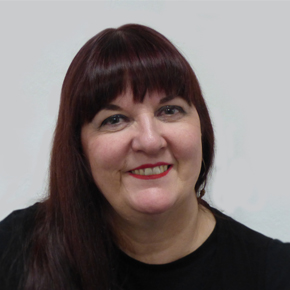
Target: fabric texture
(233,257)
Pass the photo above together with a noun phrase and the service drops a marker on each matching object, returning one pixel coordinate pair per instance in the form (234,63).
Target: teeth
(156,170)
(151,171)
(148,171)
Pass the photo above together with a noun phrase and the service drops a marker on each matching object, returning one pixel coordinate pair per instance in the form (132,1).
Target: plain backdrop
(240,53)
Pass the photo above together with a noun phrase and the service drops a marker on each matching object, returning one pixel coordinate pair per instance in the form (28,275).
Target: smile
(155,172)
(151,171)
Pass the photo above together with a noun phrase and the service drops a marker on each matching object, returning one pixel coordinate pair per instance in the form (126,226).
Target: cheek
(102,157)
(106,155)
(188,152)
(104,166)
(188,145)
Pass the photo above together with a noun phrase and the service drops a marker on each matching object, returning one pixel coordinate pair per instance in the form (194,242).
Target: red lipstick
(152,176)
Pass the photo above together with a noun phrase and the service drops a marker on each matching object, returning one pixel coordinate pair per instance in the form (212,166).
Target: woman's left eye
(170,112)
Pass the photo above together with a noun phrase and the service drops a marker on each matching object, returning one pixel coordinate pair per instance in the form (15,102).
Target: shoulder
(15,223)
(239,242)
(19,215)
(239,234)
(16,226)
(261,260)
(278,265)
(15,231)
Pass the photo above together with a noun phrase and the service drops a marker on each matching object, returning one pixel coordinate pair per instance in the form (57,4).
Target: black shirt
(234,257)
(190,272)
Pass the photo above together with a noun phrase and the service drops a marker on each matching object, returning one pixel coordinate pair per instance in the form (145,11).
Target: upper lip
(150,165)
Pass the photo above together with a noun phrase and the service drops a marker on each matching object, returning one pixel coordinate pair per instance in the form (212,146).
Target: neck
(165,237)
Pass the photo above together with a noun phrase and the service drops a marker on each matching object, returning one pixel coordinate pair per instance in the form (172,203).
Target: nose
(148,137)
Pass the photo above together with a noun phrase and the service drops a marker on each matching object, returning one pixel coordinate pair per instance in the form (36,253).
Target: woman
(132,150)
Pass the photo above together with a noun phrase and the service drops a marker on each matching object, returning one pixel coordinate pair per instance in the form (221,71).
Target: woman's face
(144,157)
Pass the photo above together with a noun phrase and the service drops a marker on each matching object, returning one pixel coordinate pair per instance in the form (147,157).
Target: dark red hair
(72,243)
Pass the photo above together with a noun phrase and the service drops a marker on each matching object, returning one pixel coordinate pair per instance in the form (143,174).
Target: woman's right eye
(115,121)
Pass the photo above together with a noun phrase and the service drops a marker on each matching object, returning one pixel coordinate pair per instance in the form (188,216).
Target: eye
(115,122)
(170,112)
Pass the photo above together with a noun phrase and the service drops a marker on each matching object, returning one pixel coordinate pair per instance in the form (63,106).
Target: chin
(154,205)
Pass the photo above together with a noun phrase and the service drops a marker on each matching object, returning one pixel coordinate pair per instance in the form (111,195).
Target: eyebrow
(113,107)
(166,99)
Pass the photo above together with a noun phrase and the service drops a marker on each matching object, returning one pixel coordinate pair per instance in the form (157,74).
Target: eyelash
(171,107)
(111,119)
(160,113)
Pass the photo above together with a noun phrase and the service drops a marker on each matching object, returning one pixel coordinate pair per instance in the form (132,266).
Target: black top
(190,272)
(234,257)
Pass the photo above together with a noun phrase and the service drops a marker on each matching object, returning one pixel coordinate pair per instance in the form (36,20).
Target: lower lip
(153,176)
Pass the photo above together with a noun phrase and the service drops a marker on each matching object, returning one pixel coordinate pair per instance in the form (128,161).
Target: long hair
(72,244)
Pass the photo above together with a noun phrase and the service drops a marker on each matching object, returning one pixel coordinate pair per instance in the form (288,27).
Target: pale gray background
(240,53)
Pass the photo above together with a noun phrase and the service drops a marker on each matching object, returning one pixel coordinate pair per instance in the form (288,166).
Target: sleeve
(278,266)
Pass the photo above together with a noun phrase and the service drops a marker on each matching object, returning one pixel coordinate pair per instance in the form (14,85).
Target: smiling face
(145,157)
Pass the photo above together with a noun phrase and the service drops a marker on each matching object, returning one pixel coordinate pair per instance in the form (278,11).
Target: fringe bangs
(122,61)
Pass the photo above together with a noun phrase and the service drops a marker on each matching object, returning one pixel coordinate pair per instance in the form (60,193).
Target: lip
(153,176)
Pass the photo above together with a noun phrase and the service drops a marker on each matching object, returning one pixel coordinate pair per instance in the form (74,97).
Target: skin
(156,220)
